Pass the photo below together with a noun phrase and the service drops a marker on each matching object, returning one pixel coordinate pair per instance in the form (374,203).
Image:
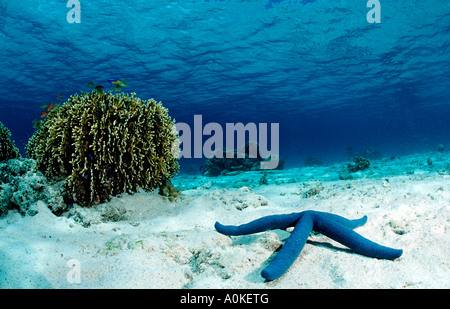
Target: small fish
(117,88)
(99,88)
(47,110)
(117,82)
(60,96)
(91,84)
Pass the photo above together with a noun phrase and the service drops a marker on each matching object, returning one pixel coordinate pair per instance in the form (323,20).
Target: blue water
(318,68)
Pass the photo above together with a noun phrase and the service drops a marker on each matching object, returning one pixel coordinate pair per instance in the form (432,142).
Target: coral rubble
(104,144)
(21,187)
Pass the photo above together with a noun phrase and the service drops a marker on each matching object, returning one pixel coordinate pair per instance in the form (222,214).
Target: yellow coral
(105,144)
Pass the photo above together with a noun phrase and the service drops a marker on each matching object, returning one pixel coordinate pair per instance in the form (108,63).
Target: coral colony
(104,144)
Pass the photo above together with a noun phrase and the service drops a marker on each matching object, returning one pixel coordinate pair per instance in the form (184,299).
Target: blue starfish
(333,226)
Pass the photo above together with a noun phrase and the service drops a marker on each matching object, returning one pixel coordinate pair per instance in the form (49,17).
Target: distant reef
(230,165)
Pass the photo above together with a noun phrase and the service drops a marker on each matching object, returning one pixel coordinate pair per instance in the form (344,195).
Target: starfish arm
(351,224)
(353,240)
(291,248)
(259,225)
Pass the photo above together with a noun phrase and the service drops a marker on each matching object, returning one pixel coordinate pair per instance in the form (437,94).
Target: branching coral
(105,144)
(8,150)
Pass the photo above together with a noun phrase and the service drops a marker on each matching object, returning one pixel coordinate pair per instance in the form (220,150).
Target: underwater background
(331,79)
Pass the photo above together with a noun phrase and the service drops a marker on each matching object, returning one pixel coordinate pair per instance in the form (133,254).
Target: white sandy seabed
(145,241)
